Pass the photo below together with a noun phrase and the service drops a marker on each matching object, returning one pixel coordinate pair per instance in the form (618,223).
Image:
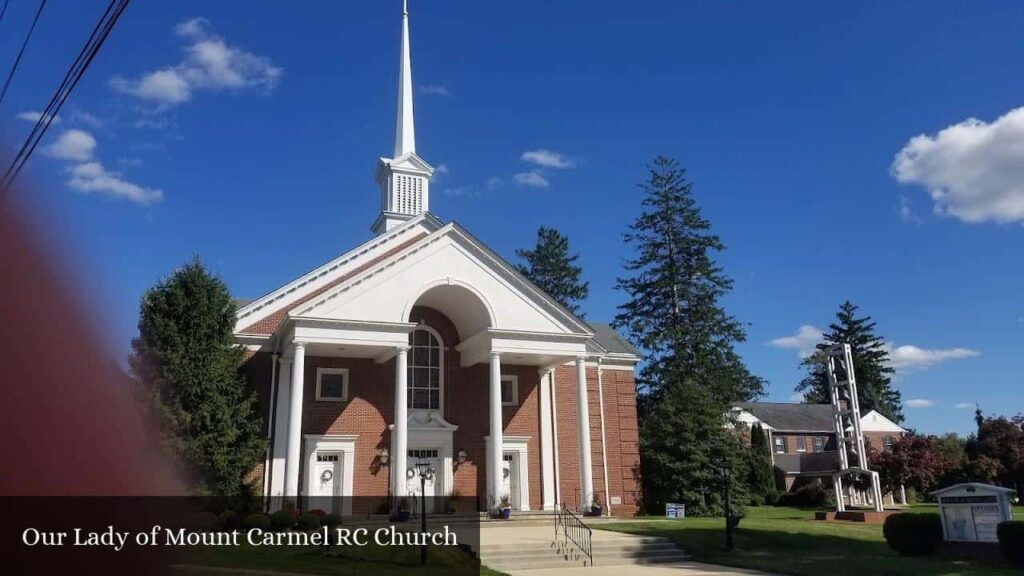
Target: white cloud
(547,158)
(209,64)
(797,397)
(493,184)
(34,116)
(906,211)
(803,341)
(93,178)
(87,119)
(964,405)
(533,179)
(440,170)
(436,90)
(973,170)
(918,403)
(911,357)
(459,191)
(77,145)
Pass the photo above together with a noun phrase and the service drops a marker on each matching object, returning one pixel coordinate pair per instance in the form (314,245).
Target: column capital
(544,371)
(299,345)
(402,348)
(494,354)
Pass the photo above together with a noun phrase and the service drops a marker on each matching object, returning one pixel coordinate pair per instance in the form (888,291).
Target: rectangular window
(424,371)
(332,384)
(887,442)
(326,457)
(801,444)
(509,390)
(819,444)
(422,454)
(780,445)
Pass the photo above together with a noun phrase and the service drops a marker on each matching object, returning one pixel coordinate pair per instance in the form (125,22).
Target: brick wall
(370,409)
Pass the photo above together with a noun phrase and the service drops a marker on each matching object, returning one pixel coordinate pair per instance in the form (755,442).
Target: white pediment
(454,273)
(410,162)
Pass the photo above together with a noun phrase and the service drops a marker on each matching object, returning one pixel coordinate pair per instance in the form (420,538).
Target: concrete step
(615,552)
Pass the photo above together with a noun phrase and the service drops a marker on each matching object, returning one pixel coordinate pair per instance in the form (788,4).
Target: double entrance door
(431,487)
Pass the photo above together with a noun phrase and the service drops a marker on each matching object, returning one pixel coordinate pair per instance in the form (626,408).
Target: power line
(14,67)
(71,78)
(4,10)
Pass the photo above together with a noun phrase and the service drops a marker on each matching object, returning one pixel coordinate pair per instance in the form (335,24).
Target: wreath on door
(326,476)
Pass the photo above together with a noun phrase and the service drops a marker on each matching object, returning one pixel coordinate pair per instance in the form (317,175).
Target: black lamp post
(730,522)
(426,473)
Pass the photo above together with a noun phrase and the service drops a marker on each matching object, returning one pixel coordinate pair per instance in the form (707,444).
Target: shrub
(308,522)
(332,520)
(203,521)
(756,500)
(1011,539)
(228,520)
(283,519)
(318,513)
(913,534)
(806,496)
(256,520)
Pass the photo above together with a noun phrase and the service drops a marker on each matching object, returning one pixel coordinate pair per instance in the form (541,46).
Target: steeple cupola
(404,180)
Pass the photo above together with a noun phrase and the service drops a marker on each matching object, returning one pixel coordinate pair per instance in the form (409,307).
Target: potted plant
(403,510)
(505,508)
(595,508)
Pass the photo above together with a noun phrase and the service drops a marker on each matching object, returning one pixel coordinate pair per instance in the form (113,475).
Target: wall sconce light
(384,456)
(461,456)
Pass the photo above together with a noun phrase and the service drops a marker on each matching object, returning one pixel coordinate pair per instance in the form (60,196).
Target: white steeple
(405,127)
(404,180)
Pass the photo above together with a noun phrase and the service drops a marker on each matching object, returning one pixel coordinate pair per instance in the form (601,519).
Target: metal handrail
(574,530)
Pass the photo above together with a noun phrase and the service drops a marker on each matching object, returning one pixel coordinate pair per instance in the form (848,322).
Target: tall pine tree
(871,365)
(189,366)
(551,268)
(691,371)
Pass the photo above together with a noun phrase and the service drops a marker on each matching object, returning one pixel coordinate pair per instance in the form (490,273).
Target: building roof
(611,340)
(792,417)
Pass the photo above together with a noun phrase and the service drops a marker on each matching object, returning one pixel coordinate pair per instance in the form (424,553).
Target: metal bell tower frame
(853,458)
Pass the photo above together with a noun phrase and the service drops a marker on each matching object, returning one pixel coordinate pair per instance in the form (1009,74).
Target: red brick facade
(370,409)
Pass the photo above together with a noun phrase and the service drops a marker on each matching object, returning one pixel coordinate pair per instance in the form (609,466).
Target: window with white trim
(510,390)
(780,445)
(819,444)
(801,444)
(332,384)
(887,443)
(424,370)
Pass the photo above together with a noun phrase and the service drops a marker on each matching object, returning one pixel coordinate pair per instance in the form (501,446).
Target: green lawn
(790,541)
(364,561)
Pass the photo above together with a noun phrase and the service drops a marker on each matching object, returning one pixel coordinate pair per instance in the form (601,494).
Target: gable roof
(611,340)
(787,417)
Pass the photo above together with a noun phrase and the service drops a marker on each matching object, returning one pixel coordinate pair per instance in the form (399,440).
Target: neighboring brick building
(504,391)
(802,440)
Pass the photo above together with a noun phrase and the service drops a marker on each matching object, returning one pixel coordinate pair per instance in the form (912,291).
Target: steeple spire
(405,129)
(404,179)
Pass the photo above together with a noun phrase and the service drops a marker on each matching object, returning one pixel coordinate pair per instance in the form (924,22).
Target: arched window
(425,373)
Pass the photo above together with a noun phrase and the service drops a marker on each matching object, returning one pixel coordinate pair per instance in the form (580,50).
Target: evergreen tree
(691,372)
(553,270)
(871,366)
(189,367)
(762,473)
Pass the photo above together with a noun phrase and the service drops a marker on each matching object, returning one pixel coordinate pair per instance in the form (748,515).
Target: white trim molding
(322,371)
(515,389)
(345,444)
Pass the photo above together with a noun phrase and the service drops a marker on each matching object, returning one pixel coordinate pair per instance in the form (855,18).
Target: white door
(431,487)
(510,479)
(327,481)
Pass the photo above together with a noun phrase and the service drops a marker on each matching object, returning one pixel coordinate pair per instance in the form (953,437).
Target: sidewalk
(677,569)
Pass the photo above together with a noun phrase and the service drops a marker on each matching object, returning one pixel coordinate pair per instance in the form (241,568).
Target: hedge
(256,520)
(309,522)
(1011,539)
(913,534)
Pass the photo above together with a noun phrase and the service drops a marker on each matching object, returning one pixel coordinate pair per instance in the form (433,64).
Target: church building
(422,345)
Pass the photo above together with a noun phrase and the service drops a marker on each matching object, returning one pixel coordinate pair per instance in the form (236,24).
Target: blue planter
(506,513)
(403,515)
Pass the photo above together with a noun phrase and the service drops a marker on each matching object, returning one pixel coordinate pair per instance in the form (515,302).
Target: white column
(280,449)
(583,420)
(903,495)
(291,468)
(547,445)
(494,459)
(401,431)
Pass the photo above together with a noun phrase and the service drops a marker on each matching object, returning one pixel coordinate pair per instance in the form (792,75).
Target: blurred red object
(70,424)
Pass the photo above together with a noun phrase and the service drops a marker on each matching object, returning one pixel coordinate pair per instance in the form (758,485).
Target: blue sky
(254,146)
